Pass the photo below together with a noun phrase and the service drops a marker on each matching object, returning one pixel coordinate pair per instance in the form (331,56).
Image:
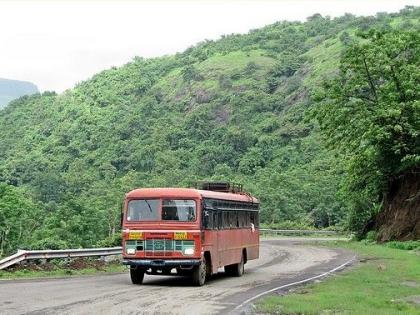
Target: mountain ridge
(13,89)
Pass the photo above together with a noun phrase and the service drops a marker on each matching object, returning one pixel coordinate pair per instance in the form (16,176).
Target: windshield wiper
(148,204)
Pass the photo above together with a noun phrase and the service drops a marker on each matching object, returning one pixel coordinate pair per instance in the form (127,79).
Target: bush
(50,243)
(408,245)
(371,236)
(286,225)
(114,240)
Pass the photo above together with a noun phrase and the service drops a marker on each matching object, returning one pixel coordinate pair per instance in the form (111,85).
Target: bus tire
(229,270)
(136,275)
(200,273)
(238,269)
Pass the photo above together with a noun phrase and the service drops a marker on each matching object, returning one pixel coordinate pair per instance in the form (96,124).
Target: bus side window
(241,218)
(208,203)
(225,219)
(253,218)
(233,219)
(215,220)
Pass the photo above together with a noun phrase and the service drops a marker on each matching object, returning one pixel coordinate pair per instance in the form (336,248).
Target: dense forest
(13,89)
(286,110)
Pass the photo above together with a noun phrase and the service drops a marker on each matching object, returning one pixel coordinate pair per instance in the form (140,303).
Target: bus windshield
(178,210)
(143,210)
(172,210)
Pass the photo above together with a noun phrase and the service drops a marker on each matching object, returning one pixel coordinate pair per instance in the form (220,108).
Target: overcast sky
(57,44)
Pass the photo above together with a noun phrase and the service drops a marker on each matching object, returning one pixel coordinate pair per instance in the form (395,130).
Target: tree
(372,113)
(19,217)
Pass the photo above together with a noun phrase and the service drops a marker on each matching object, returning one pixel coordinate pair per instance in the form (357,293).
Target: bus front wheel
(199,273)
(137,275)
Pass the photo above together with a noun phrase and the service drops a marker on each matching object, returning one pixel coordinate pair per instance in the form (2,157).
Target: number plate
(180,235)
(135,235)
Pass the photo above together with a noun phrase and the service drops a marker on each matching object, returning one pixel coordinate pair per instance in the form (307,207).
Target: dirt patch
(32,266)
(400,218)
(411,284)
(367,259)
(415,299)
(55,264)
(83,263)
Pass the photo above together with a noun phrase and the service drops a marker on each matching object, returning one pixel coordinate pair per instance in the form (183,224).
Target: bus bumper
(149,263)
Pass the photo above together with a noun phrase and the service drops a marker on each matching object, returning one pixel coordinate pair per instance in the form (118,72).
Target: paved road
(281,262)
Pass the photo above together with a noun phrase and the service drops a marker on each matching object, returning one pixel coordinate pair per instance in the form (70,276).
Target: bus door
(211,231)
(215,237)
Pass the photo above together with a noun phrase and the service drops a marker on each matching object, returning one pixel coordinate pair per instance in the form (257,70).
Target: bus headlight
(131,251)
(189,251)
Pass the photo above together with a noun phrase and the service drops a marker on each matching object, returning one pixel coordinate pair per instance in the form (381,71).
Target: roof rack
(220,186)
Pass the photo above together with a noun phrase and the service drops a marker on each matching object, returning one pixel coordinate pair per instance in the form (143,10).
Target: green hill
(13,89)
(229,109)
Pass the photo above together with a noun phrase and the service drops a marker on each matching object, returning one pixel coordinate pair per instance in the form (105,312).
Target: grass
(382,283)
(61,271)
(235,60)
(232,65)
(325,59)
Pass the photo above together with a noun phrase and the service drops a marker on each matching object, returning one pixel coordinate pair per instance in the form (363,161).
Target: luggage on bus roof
(219,186)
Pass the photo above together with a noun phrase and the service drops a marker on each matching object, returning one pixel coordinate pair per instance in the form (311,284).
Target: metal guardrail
(61,253)
(22,255)
(298,231)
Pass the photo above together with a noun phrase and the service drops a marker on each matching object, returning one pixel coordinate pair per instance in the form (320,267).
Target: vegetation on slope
(371,112)
(229,109)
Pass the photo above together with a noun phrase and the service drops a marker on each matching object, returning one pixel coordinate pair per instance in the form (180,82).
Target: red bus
(194,231)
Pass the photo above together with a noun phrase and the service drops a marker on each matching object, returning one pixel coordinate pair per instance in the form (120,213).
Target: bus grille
(160,247)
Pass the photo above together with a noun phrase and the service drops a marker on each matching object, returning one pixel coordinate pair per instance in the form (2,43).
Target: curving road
(281,262)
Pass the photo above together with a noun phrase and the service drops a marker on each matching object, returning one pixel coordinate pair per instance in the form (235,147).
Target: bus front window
(143,210)
(178,210)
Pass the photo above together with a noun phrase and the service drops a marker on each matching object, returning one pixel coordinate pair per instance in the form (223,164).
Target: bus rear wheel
(137,275)
(236,270)
(200,273)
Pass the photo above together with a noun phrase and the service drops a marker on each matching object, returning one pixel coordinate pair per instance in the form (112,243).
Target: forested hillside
(13,89)
(238,109)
